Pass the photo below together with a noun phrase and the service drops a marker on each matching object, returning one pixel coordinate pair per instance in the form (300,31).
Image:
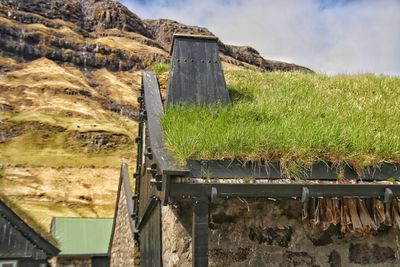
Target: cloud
(329,36)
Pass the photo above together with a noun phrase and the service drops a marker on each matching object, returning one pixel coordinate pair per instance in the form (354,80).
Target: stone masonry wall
(123,243)
(74,262)
(244,232)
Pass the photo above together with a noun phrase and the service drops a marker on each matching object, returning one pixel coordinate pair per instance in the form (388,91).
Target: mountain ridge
(75,39)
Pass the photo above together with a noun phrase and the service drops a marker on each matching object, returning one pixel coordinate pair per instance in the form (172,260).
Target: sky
(328,36)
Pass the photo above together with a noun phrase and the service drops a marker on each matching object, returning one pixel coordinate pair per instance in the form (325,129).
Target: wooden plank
(283,190)
(150,240)
(154,111)
(228,169)
(200,232)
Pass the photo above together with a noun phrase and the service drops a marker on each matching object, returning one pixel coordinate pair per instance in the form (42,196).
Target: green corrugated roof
(82,236)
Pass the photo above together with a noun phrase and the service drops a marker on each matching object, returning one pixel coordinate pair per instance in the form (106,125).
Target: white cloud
(349,37)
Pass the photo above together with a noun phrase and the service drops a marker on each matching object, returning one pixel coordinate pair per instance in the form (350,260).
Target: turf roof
(293,117)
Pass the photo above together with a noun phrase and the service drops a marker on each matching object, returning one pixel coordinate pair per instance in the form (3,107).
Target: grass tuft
(160,68)
(294,118)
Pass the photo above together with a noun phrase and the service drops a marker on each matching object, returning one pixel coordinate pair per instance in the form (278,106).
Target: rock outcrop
(102,34)
(162,30)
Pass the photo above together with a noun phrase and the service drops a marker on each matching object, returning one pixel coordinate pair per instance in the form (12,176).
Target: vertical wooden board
(150,240)
(200,232)
(14,245)
(196,74)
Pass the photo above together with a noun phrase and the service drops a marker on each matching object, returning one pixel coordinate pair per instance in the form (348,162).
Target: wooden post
(200,232)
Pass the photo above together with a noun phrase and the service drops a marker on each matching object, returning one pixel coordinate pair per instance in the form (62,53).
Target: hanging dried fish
(368,224)
(355,218)
(316,220)
(345,220)
(388,214)
(395,213)
(333,211)
(305,210)
(378,211)
(355,215)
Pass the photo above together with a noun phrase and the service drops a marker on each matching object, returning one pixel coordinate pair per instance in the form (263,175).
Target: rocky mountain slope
(101,33)
(69,79)
(163,29)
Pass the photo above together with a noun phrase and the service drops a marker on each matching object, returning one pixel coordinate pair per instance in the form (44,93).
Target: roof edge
(84,255)
(191,36)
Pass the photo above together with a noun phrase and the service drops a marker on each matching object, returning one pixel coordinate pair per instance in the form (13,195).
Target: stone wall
(74,262)
(123,243)
(244,232)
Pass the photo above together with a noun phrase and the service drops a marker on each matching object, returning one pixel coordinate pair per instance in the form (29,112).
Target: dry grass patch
(46,74)
(63,32)
(51,147)
(129,45)
(7,62)
(123,87)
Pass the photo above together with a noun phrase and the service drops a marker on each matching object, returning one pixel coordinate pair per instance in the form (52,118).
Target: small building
(83,242)
(22,242)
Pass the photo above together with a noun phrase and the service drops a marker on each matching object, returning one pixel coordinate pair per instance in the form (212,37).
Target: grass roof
(293,117)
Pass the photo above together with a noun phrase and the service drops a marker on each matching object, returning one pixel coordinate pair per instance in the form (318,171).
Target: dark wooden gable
(19,241)
(196,74)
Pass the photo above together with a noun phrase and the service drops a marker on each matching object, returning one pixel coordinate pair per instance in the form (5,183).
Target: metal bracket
(305,195)
(138,139)
(153,170)
(143,116)
(148,153)
(388,197)
(214,194)
(147,212)
(157,182)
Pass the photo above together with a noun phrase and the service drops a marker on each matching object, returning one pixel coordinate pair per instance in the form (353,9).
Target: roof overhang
(190,36)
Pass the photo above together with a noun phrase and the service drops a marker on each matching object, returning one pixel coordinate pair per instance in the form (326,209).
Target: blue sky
(329,36)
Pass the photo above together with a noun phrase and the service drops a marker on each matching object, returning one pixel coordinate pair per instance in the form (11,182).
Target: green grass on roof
(83,236)
(293,118)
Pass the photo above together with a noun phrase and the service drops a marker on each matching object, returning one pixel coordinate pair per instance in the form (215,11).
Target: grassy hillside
(294,118)
(63,135)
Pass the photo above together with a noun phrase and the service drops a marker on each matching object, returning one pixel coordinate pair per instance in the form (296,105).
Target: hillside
(69,79)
